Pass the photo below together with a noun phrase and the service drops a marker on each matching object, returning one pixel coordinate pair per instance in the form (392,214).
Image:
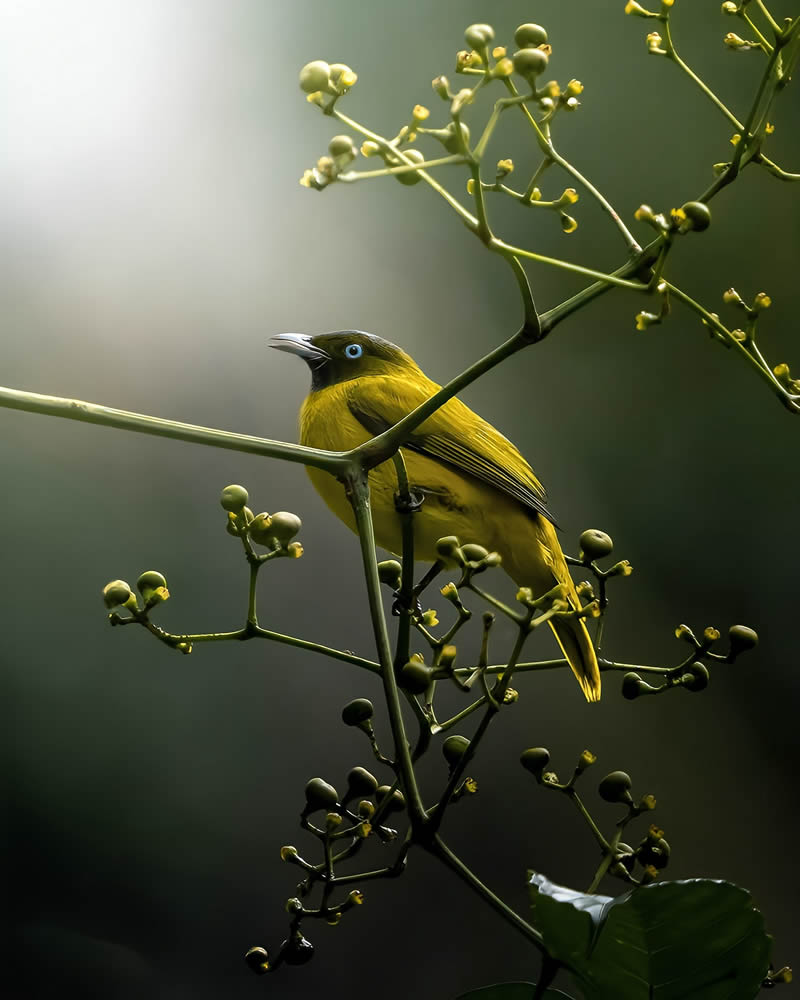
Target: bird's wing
(454,434)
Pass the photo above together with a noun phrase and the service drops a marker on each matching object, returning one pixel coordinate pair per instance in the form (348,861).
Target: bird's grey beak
(299,344)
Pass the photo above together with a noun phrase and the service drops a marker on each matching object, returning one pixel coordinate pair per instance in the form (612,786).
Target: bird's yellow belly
(454,504)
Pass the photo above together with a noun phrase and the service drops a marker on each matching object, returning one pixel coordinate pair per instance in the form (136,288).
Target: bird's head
(349,354)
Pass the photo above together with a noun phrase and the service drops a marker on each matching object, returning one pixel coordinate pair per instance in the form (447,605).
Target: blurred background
(154,235)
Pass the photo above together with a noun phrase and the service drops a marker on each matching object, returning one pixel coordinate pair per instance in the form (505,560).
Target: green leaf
(511,991)
(698,939)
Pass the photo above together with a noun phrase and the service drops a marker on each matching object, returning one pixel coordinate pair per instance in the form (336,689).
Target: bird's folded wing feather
(454,434)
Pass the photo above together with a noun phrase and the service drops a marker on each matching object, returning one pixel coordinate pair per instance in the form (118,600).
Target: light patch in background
(82,81)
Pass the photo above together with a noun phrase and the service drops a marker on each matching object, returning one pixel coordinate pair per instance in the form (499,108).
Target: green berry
(234,498)
(478,36)
(698,215)
(696,677)
(315,76)
(258,960)
(632,686)
(741,639)
(530,62)
(260,529)
(616,787)
(321,795)
(360,782)
(116,594)
(415,677)
(530,35)
(454,748)
(535,760)
(595,544)
(342,145)
(390,572)
(149,582)
(284,527)
(357,712)
(410,177)
(396,800)
(474,553)
(297,950)
(447,547)
(451,142)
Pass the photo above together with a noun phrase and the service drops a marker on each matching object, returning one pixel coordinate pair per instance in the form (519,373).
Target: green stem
(252,615)
(406,599)
(362,175)
(358,493)
(547,147)
(772,22)
(763,371)
(440,850)
(672,54)
(564,265)
(93,413)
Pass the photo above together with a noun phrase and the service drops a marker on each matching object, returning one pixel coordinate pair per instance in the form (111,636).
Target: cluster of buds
(151,585)
(692,674)
(272,531)
(318,79)
(470,557)
(653,852)
(341,153)
(692,216)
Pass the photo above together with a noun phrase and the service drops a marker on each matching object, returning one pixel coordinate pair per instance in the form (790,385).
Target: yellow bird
(476,484)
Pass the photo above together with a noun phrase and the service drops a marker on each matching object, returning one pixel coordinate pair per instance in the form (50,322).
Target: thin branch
(93,413)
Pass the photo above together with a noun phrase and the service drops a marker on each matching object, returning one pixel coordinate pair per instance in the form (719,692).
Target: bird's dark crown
(347,354)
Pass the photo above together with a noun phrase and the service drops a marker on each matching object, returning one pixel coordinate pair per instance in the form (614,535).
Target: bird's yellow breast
(455,503)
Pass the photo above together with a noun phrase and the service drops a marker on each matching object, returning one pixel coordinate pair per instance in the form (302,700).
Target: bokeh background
(153,236)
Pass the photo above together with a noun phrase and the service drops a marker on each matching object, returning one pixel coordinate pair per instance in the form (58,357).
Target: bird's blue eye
(353,351)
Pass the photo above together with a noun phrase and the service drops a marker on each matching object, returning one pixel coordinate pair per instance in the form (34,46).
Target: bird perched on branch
(476,484)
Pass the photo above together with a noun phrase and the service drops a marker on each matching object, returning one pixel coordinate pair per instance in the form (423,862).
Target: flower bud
(415,677)
(370,148)
(654,853)
(293,905)
(332,821)
(410,177)
(530,63)
(442,87)
(294,550)
(568,224)
(729,7)
(233,499)
(633,686)
(260,529)
(530,35)
(297,950)
(357,712)
(396,800)
(696,677)
(647,802)
(741,639)
(342,146)
(535,760)
(616,787)
(698,215)
(315,76)
(153,587)
(342,77)
(288,853)
(595,544)
(361,782)
(761,301)
(258,960)
(284,527)
(320,794)
(622,568)
(454,748)
(474,553)
(632,7)
(118,594)
(390,572)
(366,808)
(447,547)
(478,36)
(586,759)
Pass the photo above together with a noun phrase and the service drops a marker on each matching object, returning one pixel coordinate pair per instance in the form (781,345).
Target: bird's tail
(575,643)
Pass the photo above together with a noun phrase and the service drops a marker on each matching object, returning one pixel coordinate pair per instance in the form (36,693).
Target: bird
(475,483)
